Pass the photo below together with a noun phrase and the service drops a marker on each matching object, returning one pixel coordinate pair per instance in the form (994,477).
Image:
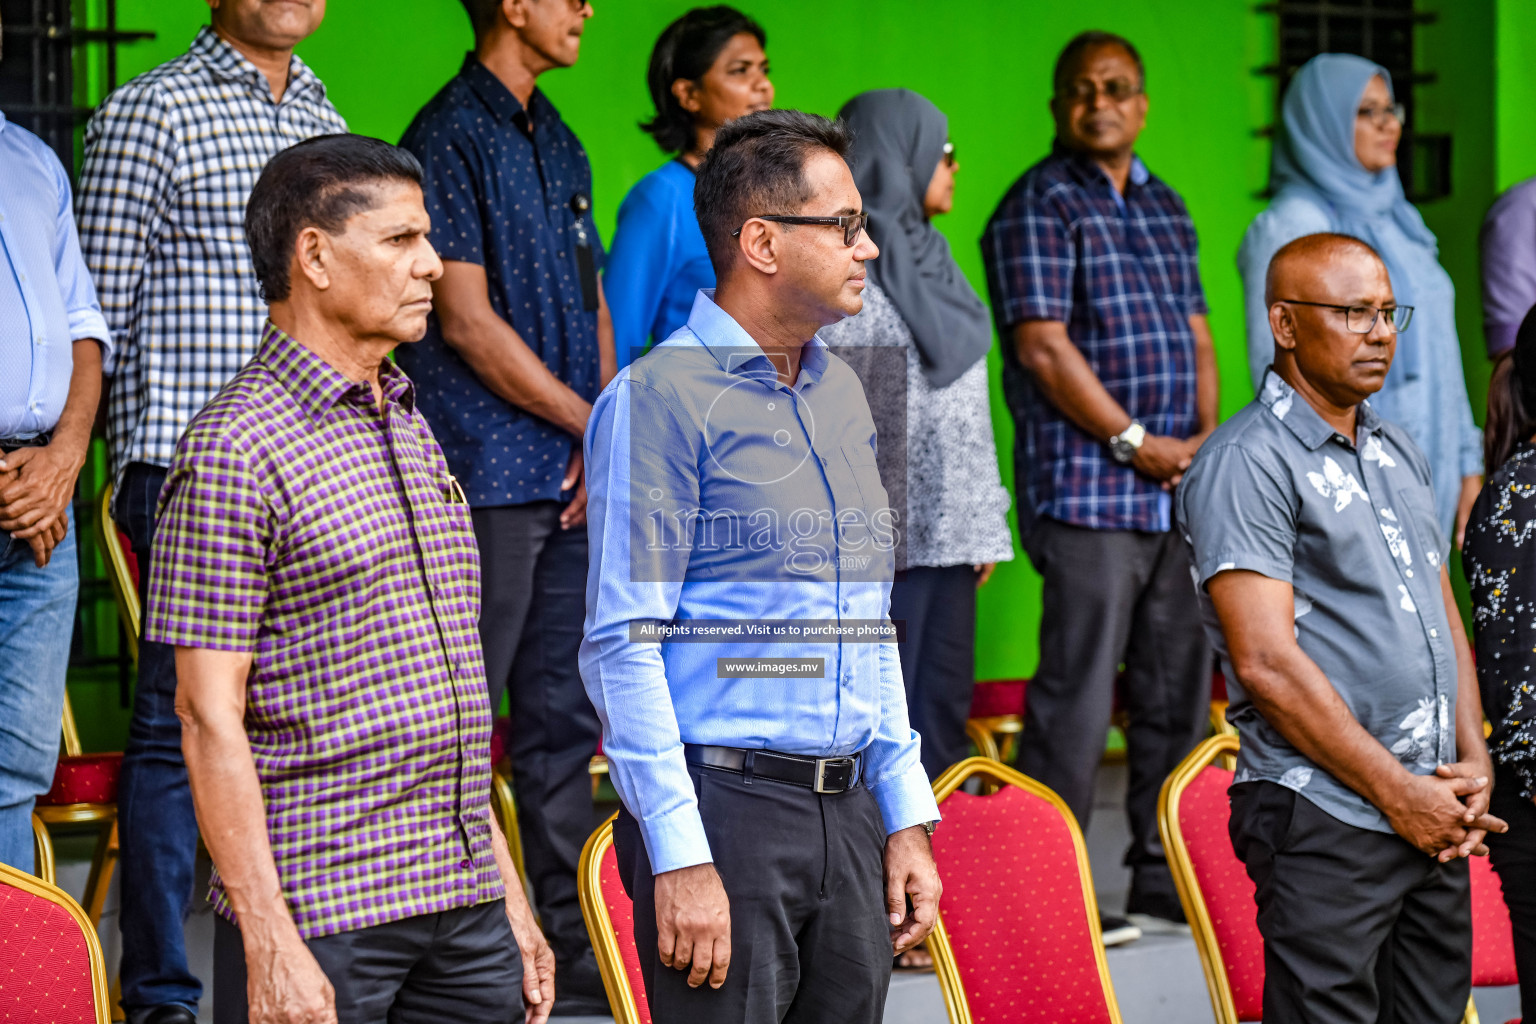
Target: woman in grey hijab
(920,347)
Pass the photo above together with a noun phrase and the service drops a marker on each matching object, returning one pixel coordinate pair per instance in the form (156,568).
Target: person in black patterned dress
(1499,558)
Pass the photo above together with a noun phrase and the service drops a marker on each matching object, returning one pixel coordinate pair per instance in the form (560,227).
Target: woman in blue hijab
(1335,169)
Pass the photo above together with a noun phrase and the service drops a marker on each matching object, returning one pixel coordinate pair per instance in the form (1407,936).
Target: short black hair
(687,49)
(1066,63)
(321,182)
(757,166)
(482,14)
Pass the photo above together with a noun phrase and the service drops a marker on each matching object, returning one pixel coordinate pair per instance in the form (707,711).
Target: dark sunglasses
(853,224)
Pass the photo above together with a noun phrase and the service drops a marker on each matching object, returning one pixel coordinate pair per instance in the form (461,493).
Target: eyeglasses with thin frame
(853,224)
(1117,89)
(949,154)
(1362,319)
(1378,115)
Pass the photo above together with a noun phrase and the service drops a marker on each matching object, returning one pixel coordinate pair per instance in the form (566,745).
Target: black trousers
(1514,858)
(455,965)
(938,656)
(1359,927)
(1114,596)
(804,874)
(532,608)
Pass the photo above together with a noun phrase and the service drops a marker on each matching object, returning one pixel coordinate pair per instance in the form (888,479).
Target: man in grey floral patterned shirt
(1363,773)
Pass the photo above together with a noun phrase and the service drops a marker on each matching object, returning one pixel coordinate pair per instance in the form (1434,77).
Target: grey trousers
(805,879)
(1359,927)
(1114,596)
(455,965)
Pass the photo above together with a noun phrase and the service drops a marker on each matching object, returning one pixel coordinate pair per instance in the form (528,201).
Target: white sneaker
(1117,931)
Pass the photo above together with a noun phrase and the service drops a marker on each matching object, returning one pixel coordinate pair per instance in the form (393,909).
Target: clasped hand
(1446,814)
(35,488)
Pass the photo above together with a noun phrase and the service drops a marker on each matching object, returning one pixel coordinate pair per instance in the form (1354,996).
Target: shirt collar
(2,121)
(736,351)
(317,385)
(227,62)
(1087,171)
(1310,429)
(495,95)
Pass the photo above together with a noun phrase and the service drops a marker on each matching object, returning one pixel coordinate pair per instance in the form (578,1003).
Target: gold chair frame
(124,593)
(939,943)
(1217,749)
(594,910)
(58,897)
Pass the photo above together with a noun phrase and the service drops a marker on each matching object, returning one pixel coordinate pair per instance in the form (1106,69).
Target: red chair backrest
(45,962)
(621,913)
(1015,910)
(1204,811)
(1493,940)
(993,698)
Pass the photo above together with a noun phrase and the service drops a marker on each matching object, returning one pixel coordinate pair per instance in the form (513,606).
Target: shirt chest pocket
(1417,531)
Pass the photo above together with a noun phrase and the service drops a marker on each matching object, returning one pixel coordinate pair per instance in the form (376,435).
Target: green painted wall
(988,66)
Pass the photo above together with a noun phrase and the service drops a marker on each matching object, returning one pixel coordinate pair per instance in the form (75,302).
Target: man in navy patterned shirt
(1111,379)
(518,346)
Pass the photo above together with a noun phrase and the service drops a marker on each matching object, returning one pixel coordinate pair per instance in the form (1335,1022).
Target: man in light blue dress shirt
(776,814)
(53,342)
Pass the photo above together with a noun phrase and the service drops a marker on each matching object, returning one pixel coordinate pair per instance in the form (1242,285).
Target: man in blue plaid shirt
(1110,374)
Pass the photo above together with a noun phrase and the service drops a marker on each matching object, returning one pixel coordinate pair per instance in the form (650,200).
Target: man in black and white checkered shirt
(170,159)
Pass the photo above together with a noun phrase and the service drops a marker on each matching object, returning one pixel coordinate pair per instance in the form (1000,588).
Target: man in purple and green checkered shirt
(1110,374)
(316,571)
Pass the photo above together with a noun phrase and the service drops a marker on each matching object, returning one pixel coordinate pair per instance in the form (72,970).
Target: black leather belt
(820,774)
(10,444)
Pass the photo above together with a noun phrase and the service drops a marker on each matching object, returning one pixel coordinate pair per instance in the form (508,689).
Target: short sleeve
(1508,244)
(1237,513)
(450,186)
(208,580)
(1194,288)
(1031,260)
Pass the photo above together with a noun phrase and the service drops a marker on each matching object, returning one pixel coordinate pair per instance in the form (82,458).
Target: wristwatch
(1124,445)
(929,826)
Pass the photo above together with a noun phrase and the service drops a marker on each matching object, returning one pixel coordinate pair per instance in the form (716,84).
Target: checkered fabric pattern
(170,159)
(1125,281)
(301,524)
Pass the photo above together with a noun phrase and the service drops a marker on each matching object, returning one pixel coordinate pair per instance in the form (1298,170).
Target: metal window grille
(1382,31)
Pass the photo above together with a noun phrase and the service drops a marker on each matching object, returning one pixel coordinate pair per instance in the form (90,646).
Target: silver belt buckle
(821,772)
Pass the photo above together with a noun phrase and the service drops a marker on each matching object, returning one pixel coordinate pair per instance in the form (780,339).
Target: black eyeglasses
(1117,89)
(1362,319)
(853,224)
(949,154)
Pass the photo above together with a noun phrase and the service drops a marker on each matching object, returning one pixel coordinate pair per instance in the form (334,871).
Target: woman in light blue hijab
(1335,169)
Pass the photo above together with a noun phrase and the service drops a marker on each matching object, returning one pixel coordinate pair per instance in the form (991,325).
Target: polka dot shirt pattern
(508,188)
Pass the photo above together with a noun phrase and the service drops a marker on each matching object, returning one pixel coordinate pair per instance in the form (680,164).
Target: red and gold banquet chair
(84,793)
(1018,935)
(51,968)
(610,917)
(1218,899)
(1213,885)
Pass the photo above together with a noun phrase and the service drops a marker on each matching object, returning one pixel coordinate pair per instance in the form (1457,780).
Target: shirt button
(464,863)
(21,277)
(1434,633)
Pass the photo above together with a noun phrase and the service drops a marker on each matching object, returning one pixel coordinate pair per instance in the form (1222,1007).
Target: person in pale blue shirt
(708,67)
(775,808)
(53,343)
(1334,169)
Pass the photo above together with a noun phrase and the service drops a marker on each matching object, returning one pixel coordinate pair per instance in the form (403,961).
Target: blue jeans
(37,614)
(157,828)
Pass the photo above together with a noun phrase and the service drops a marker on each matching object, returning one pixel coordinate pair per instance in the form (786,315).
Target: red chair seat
(997,697)
(85,779)
(1493,939)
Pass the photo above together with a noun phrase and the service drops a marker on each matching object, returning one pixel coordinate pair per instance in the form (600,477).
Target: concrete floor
(1158,980)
